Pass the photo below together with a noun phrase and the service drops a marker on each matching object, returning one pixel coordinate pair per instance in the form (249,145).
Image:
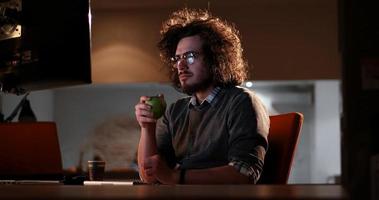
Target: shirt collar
(209,99)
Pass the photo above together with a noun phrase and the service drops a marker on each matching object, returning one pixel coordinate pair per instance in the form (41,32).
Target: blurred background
(295,65)
(98,120)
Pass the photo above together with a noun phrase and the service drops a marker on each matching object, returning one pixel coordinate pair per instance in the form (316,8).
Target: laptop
(29,151)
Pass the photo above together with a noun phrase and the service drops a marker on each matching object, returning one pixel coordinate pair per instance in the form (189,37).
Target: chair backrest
(29,150)
(283,138)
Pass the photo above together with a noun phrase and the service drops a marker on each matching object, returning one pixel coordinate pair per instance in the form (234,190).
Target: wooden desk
(181,192)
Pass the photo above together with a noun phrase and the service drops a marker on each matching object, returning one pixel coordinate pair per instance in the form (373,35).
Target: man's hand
(144,114)
(155,166)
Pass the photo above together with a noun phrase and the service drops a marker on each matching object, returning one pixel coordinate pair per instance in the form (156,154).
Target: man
(217,135)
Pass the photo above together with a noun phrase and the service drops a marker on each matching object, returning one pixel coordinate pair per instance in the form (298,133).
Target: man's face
(192,70)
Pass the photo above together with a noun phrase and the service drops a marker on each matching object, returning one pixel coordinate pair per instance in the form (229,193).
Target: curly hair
(222,45)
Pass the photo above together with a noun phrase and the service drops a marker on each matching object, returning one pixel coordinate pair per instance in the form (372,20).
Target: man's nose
(182,64)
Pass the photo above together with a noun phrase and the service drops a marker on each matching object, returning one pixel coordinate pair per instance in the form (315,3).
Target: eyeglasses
(189,57)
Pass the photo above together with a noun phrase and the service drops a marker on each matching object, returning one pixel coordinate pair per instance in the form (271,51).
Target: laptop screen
(29,151)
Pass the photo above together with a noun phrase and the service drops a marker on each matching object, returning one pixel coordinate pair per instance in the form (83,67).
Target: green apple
(158,105)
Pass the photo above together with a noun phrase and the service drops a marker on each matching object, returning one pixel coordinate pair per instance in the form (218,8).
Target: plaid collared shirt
(245,169)
(212,96)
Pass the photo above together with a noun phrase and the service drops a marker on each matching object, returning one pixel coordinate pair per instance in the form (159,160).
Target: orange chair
(30,150)
(283,138)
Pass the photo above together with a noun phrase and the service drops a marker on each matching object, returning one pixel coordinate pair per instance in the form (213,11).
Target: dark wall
(360,78)
(283,40)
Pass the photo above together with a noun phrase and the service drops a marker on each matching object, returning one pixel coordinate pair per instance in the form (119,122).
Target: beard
(198,86)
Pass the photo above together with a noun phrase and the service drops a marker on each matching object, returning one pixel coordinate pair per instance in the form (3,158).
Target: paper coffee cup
(96,169)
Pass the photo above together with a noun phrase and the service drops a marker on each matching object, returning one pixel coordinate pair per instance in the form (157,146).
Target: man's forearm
(147,147)
(217,175)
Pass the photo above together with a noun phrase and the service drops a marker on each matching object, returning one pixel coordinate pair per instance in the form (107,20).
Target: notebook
(29,151)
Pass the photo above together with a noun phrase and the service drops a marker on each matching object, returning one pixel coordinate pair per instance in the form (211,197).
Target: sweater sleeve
(248,125)
(164,139)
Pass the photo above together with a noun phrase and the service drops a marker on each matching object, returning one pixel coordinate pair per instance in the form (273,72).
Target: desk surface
(182,192)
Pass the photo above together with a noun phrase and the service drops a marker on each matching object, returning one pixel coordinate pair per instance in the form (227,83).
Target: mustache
(184,72)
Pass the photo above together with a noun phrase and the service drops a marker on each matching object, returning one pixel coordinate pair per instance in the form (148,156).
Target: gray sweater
(232,128)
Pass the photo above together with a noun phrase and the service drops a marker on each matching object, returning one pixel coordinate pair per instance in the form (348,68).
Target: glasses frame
(189,57)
